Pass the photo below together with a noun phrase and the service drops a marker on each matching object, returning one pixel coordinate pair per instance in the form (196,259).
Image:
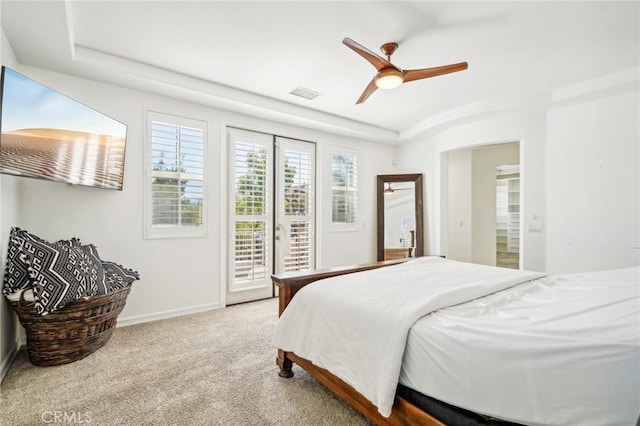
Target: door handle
(281,235)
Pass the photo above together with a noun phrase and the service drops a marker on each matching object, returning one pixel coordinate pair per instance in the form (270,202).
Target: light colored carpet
(212,368)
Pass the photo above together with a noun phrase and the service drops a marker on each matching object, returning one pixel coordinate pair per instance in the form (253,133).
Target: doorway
(271,211)
(471,200)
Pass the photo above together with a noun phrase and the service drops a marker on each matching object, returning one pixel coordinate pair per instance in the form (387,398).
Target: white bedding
(561,350)
(356,325)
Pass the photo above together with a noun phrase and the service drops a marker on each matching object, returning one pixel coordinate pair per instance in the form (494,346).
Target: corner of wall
(8,55)
(10,336)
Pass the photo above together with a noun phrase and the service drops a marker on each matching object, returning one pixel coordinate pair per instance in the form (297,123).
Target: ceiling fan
(389,75)
(389,190)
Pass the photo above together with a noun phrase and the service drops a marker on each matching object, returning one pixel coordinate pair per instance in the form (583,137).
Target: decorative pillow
(117,276)
(97,278)
(16,273)
(60,274)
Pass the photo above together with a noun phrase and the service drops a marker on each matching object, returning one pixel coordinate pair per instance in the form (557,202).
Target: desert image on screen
(47,135)
(75,157)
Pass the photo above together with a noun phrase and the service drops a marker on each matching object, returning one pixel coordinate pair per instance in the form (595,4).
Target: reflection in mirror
(399,216)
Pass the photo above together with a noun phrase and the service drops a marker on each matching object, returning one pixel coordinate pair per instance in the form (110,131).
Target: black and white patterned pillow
(97,278)
(60,273)
(117,276)
(16,272)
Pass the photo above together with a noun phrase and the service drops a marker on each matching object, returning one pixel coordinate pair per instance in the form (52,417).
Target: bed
(435,341)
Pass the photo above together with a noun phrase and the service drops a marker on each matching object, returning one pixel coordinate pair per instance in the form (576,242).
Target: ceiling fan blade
(375,60)
(411,75)
(368,91)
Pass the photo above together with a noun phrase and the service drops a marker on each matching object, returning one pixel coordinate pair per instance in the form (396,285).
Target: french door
(271,211)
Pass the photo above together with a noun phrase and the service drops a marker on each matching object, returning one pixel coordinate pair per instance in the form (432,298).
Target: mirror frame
(412,177)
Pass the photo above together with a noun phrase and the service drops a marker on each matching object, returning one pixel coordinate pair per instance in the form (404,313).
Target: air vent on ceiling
(304,93)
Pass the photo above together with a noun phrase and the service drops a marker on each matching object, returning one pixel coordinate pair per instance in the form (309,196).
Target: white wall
(459,229)
(574,216)
(429,156)
(9,328)
(593,185)
(182,275)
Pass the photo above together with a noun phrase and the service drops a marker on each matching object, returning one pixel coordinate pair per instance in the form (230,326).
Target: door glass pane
(299,258)
(251,210)
(250,179)
(297,196)
(297,183)
(251,245)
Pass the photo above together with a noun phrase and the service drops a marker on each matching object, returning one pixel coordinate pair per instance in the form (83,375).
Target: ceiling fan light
(388,190)
(388,81)
(389,78)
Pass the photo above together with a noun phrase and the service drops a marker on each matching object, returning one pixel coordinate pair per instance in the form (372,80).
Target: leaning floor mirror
(400,217)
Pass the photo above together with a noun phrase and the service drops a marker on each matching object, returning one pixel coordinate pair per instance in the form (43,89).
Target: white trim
(139,319)
(610,84)
(8,360)
(224,215)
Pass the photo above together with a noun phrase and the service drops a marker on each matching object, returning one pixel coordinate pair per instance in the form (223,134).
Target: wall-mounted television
(46,135)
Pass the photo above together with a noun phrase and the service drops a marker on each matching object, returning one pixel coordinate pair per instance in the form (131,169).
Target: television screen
(46,135)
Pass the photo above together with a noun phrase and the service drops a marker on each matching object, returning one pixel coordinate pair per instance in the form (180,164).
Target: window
(175,166)
(344,188)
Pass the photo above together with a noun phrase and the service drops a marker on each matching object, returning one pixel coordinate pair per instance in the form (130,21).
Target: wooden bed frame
(403,413)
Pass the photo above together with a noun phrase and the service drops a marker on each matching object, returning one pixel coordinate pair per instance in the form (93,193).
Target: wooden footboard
(403,413)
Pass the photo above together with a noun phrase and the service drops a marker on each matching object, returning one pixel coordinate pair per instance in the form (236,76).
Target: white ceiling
(247,56)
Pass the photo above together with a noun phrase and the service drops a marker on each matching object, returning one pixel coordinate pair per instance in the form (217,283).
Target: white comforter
(561,350)
(356,325)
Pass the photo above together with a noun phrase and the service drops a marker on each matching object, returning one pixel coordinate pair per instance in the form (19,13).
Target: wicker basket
(78,330)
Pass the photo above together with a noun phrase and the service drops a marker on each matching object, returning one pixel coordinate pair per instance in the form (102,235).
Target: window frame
(152,231)
(344,226)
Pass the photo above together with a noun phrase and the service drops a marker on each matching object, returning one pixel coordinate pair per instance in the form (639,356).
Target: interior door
(271,211)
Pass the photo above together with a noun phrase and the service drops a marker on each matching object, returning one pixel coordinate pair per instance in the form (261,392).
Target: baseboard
(138,319)
(8,360)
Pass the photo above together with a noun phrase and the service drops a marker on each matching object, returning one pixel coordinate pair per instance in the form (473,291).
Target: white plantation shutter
(176,162)
(251,210)
(296,204)
(251,191)
(251,178)
(344,188)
